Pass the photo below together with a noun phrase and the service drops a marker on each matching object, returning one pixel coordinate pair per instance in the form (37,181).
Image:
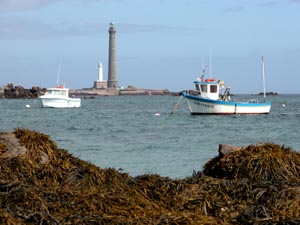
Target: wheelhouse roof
(205,82)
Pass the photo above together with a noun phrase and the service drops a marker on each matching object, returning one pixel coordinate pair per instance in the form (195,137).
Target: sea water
(140,135)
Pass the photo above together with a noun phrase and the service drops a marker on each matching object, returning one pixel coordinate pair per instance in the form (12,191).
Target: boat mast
(204,69)
(210,64)
(58,72)
(263,76)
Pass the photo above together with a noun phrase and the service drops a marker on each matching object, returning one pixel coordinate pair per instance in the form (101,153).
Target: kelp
(264,162)
(43,184)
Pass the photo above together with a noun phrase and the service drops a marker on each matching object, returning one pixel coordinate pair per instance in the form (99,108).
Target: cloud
(20,5)
(148,28)
(20,28)
(270,3)
(240,8)
(13,28)
(235,9)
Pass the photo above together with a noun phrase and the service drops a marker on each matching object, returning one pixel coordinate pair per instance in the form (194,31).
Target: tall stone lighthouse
(112,81)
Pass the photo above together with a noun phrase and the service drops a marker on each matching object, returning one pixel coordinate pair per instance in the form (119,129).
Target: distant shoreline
(116,92)
(10,91)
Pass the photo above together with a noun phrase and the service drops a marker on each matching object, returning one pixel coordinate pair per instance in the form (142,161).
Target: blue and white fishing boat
(211,97)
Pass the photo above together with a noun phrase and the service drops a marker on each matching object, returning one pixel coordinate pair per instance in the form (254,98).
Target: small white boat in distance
(211,97)
(58,97)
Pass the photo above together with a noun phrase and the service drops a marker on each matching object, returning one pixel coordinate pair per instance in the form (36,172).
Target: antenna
(263,76)
(203,68)
(210,64)
(58,72)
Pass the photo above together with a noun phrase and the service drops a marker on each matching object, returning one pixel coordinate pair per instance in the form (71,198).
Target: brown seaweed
(43,184)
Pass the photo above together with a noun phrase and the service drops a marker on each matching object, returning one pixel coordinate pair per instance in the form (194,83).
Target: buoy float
(27,106)
(157,114)
(210,80)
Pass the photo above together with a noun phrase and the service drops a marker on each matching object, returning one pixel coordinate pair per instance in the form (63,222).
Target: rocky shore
(130,90)
(14,92)
(43,184)
(18,92)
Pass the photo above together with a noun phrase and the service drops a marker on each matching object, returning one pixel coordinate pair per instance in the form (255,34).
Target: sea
(140,135)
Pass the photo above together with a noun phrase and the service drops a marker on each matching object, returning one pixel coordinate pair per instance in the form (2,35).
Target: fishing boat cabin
(211,89)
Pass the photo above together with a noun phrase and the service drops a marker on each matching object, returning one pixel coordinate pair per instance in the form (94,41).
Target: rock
(15,92)
(225,149)
(12,145)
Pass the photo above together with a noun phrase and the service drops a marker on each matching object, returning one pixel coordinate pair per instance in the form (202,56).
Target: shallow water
(124,132)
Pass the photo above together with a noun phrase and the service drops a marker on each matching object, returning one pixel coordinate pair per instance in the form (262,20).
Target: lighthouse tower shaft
(112,81)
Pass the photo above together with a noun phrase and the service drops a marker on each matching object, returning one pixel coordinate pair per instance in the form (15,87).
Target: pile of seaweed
(43,184)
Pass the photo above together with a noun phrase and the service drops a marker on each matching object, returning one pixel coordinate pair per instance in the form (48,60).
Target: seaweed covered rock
(265,162)
(43,184)
(263,180)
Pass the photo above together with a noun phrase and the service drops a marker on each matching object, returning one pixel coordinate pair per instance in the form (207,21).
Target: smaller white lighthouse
(100,83)
(100,72)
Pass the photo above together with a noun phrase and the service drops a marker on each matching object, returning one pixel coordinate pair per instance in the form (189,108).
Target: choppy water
(123,131)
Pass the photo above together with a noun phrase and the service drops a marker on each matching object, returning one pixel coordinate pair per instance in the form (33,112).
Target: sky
(160,44)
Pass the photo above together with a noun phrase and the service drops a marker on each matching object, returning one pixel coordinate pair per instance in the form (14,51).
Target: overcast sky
(161,44)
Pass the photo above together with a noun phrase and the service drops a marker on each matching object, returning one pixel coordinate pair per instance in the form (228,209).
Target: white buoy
(27,106)
(283,105)
(156,114)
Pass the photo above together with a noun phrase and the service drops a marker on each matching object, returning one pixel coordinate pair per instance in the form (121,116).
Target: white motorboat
(58,97)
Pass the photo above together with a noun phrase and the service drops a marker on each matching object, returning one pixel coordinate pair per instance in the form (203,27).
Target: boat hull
(60,102)
(198,105)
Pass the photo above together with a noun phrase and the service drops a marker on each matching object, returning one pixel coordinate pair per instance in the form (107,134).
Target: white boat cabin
(211,89)
(208,88)
(57,91)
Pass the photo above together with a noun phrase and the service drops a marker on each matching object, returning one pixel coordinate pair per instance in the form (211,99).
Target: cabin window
(197,87)
(204,88)
(213,88)
(57,92)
